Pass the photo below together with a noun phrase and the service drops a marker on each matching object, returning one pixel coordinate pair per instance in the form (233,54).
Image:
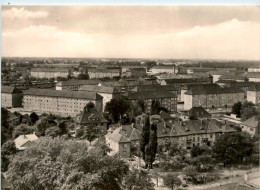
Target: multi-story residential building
(106,92)
(253,69)
(94,119)
(166,99)
(253,94)
(251,125)
(75,84)
(125,87)
(50,72)
(65,103)
(104,72)
(11,97)
(135,72)
(253,77)
(212,98)
(163,69)
(233,77)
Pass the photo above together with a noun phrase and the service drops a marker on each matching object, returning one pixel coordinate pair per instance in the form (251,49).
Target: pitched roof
(156,87)
(187,80)
(200,86)
(90,116)
(50,69)
(117,137)
(62,93)
(214,91)
(79,82)
(24,139)
(252,122)
(98,89)
(151,95)
(232,77)
(198,112)
(9,89)
(254,88)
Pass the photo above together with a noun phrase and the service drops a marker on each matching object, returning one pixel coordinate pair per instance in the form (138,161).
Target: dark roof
(79,82)
(105,70)
(232,77)
(98,89)
(62,93)
(163,67)
(91,116)
(198,112)
(252,121)
(151,95)
(187,80)
(50,70)
(165,115)
(214,91)
(255,88)
(155,87)
(252,75)
(137,69)
(199,86)
(9,89)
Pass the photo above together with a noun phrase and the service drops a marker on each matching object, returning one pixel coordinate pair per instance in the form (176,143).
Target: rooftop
(214,91)
(98,89)
(62,93)
(50,70)
(9,89)
(79,82)
(90,116)
(151,95)
(22,140)
(252,122)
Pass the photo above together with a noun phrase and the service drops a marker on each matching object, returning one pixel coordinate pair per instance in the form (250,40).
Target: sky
(177,32)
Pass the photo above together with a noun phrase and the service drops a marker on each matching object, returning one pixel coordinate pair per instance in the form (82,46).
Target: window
(125,145)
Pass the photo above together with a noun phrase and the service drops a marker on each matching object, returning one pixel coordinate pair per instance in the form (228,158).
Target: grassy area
(231,186)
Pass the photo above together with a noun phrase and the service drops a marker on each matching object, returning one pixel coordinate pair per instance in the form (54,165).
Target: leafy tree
(52,131)
(44,124)
(142,105)
(248,110)
(22,130)
(90,133)
(34,117)
(236,109)
(138,180)
(8,150)
(53,163)
(117,107)
(148,144)
(83,76)
(6,130)
(171,180)
(155,107)
(232,147)
(89,106)
(63,128)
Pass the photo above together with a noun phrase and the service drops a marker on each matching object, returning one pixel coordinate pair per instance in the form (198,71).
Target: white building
(253,94)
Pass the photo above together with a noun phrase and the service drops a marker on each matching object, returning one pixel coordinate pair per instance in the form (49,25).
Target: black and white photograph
(130,97)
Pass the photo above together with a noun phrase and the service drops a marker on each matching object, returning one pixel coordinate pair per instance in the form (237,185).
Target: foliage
(171,180)
(8,150)
(6,130)
(117,107)
(148,144)
(53,163)
(22,130)
(199,150)
(248,110)
(44,124)
(232,147)
(156,108)
(236,109)
(83,76)
(89,106)
(34,117)
(90,133)
(138,180)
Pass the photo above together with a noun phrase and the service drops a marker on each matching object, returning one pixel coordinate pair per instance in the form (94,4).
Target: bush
(171,180)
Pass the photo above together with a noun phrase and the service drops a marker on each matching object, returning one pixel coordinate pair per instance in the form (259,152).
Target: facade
(65,103)
(106,92)
(50,72)
(253,77)
(94,119)
(163,69)
(165,99)
(233,77)
(253,70)
(75,84)
(252,125)
(253,94)
(11,97)
(104,72)
(212,98)
(156,88)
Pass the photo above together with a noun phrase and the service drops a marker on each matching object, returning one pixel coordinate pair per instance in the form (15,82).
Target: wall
(6,100)
(251,96)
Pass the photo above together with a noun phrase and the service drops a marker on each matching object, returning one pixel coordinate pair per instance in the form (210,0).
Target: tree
(138,180)
(22,130)
(236,109)
(117,107)
(142,105)
(155,107)
(8,150)
(83,76)
(232,147)
(248,111)
(89,106)
(171,180)
(54,163)
(148,144)
(34,117)
(6,130)
(90,133)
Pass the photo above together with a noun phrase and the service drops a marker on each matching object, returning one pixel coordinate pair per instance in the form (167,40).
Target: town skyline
(144,32)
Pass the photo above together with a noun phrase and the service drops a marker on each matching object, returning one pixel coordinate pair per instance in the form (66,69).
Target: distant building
(23,141)
(233,77)
(253,77)
(94,119)
(163,69)
(65,103)
(106,92)
(50,72)
(252,125)
(136,72)
(11,97)
(104,72)
(212,98)
(166,99)
(253,94)
(253,69)
(75,84)
(156,88)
